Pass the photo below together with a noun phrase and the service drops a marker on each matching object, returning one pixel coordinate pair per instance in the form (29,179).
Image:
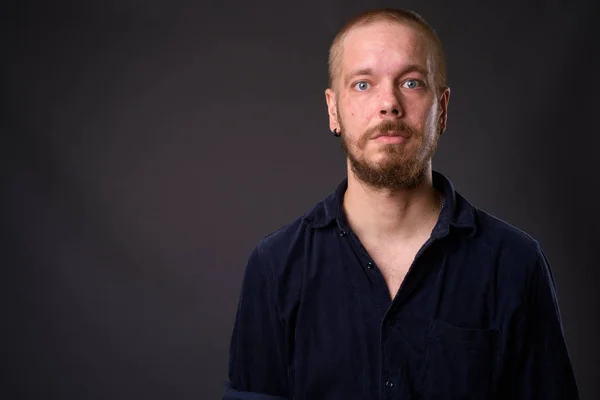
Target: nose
(390,104)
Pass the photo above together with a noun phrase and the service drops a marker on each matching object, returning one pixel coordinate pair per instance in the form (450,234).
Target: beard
(401,168)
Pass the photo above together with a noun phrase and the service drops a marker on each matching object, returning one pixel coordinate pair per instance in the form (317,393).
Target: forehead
(384,44)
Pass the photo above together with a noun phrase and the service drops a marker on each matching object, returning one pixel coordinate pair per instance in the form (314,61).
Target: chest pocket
(460,363)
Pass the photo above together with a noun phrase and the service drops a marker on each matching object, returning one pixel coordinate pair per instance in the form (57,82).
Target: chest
(347,339)
(394,260)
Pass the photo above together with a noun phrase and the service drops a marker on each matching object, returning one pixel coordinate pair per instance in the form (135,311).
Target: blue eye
(361,86)
(412,84)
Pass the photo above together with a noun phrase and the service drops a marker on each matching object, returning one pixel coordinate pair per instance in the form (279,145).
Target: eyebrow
(369,71)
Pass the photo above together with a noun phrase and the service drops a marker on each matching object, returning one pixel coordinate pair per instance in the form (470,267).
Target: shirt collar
(457,211)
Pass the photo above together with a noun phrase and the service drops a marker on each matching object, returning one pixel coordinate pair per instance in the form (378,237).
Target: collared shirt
(476,316)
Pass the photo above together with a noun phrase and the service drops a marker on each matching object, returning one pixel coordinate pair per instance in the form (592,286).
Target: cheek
(422,114)
(352,114)
(359,111)
(432,117)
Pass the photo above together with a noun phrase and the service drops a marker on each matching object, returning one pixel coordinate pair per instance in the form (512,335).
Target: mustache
(394,127)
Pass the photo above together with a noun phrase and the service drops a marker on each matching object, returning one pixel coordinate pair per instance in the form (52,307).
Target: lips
(391,134)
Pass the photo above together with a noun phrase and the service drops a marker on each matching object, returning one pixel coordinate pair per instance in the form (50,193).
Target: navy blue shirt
(476,316)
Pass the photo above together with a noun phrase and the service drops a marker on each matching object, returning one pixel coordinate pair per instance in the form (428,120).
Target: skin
(393,89)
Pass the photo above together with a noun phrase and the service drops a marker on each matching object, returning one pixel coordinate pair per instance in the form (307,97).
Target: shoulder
(515,255)
(285,247)
(503,256)
(282,256)
(278,241)
(505,238)
(317,216)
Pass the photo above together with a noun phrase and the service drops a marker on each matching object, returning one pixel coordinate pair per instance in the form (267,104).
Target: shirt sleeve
(257,357)
(539,363)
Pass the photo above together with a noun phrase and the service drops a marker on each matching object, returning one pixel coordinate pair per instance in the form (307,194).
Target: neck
(391,214)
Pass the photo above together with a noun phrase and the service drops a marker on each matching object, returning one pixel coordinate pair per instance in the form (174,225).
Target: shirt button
(342,233)
(389,384)
(370,265)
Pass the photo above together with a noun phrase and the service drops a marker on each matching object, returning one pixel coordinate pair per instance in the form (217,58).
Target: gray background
(148,145)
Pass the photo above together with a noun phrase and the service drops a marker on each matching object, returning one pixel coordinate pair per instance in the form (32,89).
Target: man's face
(386,106)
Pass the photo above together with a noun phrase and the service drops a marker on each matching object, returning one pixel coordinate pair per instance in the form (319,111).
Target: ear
(331,99)
(444,99)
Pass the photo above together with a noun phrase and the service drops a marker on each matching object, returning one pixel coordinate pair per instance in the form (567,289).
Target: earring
(336,133)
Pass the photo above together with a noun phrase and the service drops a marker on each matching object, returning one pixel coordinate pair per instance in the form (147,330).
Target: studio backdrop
(147,146)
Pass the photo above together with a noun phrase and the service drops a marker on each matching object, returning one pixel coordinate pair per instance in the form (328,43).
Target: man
(396,287)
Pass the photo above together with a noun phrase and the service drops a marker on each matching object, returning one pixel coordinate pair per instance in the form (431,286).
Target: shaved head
(400,16)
